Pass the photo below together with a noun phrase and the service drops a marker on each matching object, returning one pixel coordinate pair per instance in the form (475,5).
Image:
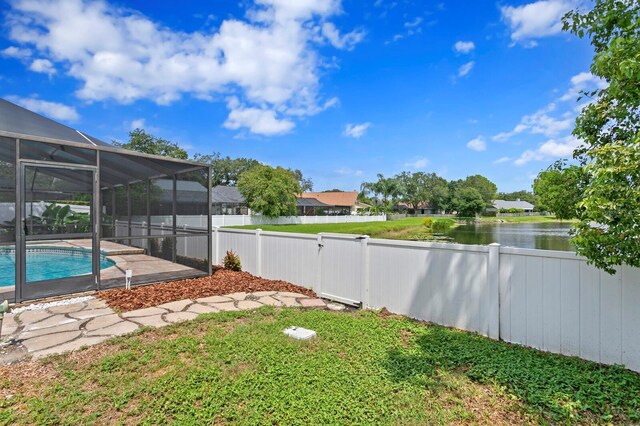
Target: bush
(442,224)
(232,261)
(428,223)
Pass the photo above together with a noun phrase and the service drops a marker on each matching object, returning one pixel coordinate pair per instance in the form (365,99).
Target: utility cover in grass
(299,333)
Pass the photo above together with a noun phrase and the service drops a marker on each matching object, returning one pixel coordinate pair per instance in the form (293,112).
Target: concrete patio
(64,328)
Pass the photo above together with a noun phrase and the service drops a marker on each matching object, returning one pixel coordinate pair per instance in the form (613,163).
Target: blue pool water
(46,263)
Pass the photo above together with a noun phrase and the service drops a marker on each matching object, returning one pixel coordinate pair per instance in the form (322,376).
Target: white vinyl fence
(239,220)
(548,300)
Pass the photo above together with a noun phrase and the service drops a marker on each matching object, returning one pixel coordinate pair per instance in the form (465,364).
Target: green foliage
(467,201)
(527,196)
(58,218)
(231,261)
(362,369)
(442,224)
(384,190)
(609,127)
(140,141)
(511,210)
(422,189)
(270,191)
(559,189)
(428,223)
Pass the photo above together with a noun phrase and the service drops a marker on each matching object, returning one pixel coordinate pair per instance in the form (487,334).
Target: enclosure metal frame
(96,232)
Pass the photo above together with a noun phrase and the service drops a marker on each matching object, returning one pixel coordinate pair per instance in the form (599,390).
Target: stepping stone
(71,326)
(225,306)
(270,301)
(201,309)
(73,345)
(102,322)
(28,317)
(312,303)
(238,296)
(117,329)
(335,307)
(150,321)
(6,332)
(97,304)
(9,321)
(180,316)
(90,313)
(248,304)
(52,321)
(214,299)
(290,294)
(263,293)
(49,340)
(154,310)
(65,309)
(176,306)
(288,301)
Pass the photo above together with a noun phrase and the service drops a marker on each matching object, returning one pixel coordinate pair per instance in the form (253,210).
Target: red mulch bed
(220,283)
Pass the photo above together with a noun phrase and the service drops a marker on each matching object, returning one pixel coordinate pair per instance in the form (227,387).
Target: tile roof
(339,199)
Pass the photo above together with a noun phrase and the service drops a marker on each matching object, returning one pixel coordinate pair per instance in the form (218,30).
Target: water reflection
(545,236)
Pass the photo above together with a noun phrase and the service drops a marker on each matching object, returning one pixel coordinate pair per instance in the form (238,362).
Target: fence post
(365,277)
(493,283)
(216,245)
(318,288)
(259,252)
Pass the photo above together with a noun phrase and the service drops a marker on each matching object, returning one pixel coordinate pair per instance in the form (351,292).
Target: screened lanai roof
(64,144)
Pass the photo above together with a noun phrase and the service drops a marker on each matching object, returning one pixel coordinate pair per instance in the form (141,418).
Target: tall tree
(270,191)
(523,195)
(558,189)
(412,189)
(226,170)
(141,141)
(467,201)
(385,190)
(608,233)
(484,186)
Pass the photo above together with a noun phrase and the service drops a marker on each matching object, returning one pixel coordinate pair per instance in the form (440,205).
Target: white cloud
(16,52)
(138,124)
(54,110)
(418,163)
(539,122)
(580,82)
(356,130)
(257,120)
(550,150)
(465,69)
(464,46)
(502,160)
(412,24)
(477,144)
(346,41)
(534,20)
(268,60)
(44,66)
(346,171)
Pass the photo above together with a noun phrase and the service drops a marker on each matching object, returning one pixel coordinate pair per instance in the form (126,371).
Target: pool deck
(145,268)
(64,328)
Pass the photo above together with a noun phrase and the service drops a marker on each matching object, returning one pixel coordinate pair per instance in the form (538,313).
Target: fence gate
(341,265)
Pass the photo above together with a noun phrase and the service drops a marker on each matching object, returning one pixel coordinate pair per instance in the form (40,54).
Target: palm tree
(384,190)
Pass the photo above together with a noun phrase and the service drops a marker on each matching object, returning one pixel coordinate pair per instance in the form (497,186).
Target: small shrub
(427,222)
(442,224)
(232,261)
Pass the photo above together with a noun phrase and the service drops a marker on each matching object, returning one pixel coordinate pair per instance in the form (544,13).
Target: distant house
(312,207)
(518,204)
(419,210)
(228,200)
(342,203)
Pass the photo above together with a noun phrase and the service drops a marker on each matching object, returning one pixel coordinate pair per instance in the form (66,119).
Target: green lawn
(407,228)
(373,229)
(364,368)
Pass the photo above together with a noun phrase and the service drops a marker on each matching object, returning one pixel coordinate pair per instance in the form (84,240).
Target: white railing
(548,300)
(239,220)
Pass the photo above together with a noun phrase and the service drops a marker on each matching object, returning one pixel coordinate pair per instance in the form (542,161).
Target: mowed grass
(363,368)
(372,229)
(396,229)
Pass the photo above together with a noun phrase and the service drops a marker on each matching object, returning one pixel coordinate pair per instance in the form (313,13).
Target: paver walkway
(65,328)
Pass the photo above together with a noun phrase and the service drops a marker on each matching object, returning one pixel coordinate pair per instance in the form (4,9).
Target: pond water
(545,236)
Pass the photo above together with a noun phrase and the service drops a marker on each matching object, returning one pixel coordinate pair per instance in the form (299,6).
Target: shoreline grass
(364,367)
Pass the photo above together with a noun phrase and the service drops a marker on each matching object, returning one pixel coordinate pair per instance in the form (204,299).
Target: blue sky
(340,90)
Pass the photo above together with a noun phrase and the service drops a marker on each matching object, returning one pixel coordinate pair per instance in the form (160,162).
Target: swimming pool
(46,263)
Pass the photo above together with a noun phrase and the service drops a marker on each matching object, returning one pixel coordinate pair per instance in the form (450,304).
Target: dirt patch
(221,282)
